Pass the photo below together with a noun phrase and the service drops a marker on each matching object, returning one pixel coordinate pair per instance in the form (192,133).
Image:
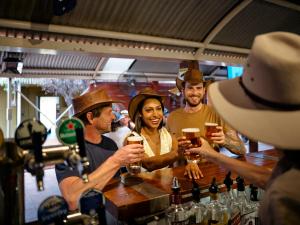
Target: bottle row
(229,207)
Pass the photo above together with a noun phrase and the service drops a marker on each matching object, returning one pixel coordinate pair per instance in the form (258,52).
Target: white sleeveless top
(165,142)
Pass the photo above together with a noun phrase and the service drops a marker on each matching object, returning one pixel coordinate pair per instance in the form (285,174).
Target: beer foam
(211,124)
(190,130)
(134,138)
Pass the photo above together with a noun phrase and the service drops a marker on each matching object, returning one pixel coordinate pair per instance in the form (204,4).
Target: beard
(192,104)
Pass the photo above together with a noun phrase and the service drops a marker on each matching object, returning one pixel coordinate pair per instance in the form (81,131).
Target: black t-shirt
(96,153)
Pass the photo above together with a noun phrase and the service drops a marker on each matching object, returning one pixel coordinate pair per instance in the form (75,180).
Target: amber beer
(209,129)
(193,135)
(134,168)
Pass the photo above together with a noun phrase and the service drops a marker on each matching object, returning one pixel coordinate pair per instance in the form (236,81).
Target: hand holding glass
(210,128)
(193,135)
(134,168)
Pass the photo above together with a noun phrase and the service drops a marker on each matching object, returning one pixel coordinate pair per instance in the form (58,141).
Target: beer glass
(193,135)
(134,168)
(209,129)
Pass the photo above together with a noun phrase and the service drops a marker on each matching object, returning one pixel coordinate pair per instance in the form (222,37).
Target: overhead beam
(52,47)
(222,24)
(79,31)
(100,65)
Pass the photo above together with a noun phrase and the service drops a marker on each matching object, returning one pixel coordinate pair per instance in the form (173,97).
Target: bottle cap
(253,192)
(240,184)
(175,184)
(213,187)
(228,181)
(196,191)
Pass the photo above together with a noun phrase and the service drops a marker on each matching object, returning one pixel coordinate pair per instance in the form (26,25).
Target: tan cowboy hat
(264,104)
(189,71)
(90,100)
(142,95)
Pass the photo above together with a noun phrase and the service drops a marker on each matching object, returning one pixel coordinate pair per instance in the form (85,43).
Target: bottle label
(249,218)
(184,222)
(214,215)
(235,219)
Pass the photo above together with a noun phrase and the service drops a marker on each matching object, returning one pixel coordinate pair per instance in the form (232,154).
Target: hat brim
(94,107)
(179,83)
(279,128)
(135,101)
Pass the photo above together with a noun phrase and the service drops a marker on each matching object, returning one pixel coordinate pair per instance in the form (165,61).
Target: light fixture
(11,64)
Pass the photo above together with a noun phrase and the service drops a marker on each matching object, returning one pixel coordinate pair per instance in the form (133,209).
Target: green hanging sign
(66,133)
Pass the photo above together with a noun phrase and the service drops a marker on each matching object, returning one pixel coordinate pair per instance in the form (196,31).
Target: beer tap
(30,135)
(38,166)
(82,152)
(70,133)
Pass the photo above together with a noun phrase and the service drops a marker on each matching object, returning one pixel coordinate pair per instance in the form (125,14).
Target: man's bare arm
(233,143)
(257,175)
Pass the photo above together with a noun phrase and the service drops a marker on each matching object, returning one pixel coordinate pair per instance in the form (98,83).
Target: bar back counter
(126,202)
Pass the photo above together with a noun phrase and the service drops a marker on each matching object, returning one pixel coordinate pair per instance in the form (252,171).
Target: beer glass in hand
(193,135)
(134,168)
(210,128)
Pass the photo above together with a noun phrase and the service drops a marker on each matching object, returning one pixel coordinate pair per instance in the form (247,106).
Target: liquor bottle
(243,201)
(254,202)
(196,209)
(176,214)
(230,201)
(216,212)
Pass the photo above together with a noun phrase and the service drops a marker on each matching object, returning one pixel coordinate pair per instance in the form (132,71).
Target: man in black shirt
(94,108)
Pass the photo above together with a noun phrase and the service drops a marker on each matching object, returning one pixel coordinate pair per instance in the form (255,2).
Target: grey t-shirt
(96,153)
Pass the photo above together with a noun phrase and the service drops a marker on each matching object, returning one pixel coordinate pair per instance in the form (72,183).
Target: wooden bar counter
(152,195)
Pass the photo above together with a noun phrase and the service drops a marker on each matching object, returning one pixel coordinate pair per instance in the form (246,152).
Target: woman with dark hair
(146,111)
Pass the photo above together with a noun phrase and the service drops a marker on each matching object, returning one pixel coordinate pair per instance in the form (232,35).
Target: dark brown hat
(142,95)
(193,76)
(90,100)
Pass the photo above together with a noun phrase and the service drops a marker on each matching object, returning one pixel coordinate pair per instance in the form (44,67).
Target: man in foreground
(264,104)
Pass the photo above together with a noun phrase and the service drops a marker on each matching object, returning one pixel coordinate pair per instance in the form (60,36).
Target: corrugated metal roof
(188,20)
(259,17)
(144,29)
(68,61)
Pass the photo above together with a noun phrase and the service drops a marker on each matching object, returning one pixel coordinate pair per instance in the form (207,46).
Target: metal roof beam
(79,31)
(100,65)
(52,47)
(25,25)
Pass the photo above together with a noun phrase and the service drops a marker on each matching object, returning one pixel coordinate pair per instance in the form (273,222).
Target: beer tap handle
(38,158)
(82,152)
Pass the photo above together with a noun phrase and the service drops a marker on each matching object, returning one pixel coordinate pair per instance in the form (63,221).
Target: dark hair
(96,112)
(292,157)
(115,126)
(139,123)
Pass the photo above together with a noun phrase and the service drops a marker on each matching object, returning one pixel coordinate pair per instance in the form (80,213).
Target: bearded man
(195,114)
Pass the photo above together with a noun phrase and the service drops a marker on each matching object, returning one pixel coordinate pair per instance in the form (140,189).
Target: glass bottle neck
(213,197)
(176,199)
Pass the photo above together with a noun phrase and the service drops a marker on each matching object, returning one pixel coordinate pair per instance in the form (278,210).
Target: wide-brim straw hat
(264,104)
(91,100)
(142,95)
